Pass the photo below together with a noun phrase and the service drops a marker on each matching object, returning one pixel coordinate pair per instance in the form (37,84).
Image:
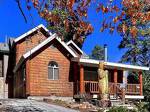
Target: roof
(39,46)
(92,62)
(71,42)
(4,48)
(31,31)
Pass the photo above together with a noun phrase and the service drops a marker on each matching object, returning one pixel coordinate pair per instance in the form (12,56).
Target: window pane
(56,73)
(50,72)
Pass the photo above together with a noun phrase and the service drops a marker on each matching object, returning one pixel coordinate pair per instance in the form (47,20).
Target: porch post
(125,73)
(141,83)
(115,80)
(81,79)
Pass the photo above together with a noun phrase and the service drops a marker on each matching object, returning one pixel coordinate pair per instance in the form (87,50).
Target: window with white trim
(53,70)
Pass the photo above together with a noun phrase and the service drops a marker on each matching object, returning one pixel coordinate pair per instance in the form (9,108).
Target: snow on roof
(90,62)
(71,42)
(31,31)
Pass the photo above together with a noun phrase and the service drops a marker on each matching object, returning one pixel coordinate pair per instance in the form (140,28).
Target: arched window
(53,70)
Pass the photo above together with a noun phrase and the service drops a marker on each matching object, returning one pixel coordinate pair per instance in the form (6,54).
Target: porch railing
(131,89)
(91,86)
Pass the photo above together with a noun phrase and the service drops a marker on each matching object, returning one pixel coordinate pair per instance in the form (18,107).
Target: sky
(12,24)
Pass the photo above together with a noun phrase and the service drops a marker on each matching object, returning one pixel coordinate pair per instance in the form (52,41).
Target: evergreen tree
(98,53)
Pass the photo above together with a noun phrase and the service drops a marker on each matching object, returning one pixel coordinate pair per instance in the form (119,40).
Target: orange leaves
(115,8)
(107,9)
(104,9)
(70,4)
(115,20)
(133,31)
(35,3)
(124,28)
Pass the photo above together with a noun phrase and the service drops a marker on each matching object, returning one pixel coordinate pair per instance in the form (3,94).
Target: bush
(120,109)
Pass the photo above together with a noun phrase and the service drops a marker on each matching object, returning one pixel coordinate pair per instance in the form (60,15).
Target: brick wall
(38,74)
(28,43)
(37,82)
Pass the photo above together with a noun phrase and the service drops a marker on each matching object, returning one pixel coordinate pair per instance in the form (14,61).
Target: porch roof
(111,65)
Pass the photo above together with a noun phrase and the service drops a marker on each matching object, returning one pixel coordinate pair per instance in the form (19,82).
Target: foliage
(146,86)
(64,19)
(98,53)
(68,18)
(142,107)
(138,53)
(120,109)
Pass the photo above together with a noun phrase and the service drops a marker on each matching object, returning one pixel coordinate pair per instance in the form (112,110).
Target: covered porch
(119,84)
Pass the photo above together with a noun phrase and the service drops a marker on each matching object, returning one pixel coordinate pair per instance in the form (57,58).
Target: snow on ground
(25,105)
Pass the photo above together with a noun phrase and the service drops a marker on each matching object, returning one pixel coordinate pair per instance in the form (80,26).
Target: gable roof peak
(31,31)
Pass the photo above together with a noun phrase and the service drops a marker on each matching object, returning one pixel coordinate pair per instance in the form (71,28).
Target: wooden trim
(81,79)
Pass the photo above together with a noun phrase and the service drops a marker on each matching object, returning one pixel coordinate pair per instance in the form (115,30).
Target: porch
(114,89)
(87,83)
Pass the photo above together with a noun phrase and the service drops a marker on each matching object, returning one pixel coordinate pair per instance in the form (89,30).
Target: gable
(28,43)
(74,47)
(33,31)
(51,40)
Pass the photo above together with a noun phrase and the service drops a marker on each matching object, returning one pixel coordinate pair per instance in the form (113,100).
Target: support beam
(115,75)
(81,79)
(141,83)
(125,74)
(115,79)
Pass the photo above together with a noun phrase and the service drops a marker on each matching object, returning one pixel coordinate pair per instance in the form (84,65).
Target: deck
(114,88)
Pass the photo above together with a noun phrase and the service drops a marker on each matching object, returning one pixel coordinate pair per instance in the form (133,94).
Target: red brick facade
(38,75)
(28,43)
(37,82)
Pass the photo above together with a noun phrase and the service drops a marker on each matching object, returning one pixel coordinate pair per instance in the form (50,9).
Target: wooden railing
(131,89)
(91,86)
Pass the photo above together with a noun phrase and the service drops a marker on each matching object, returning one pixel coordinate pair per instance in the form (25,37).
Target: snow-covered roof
(92,62)
(31,31)
(71,42)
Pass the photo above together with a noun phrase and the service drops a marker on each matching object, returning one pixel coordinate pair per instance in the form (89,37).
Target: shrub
(120,109)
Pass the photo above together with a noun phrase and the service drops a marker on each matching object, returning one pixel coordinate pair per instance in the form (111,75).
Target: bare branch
(18,2)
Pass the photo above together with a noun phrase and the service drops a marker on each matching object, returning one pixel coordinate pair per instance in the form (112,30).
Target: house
(41,64)
(4,51)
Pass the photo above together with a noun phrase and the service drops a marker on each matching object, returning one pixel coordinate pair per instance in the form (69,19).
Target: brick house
(41,64)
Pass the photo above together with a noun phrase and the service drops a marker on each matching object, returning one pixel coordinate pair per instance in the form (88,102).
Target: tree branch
(19,6)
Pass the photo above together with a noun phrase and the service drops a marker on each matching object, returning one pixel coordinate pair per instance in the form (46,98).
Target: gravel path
(24,105)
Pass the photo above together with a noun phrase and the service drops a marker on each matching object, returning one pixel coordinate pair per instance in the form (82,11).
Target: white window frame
(53,72)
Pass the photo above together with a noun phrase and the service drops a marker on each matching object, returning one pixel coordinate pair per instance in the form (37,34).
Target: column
(115,75)
(125,74)
(115,79)
(141,83)
(81,79)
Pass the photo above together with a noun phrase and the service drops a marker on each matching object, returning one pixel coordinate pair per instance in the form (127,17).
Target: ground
(24,105)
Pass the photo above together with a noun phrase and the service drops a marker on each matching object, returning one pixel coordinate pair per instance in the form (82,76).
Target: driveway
(24,105)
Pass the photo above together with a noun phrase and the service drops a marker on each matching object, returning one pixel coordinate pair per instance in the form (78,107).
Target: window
(53,70)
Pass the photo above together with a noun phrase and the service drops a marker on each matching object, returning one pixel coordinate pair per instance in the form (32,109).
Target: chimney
(105,53)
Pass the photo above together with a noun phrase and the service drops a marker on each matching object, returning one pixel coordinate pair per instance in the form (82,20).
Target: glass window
(53,70)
